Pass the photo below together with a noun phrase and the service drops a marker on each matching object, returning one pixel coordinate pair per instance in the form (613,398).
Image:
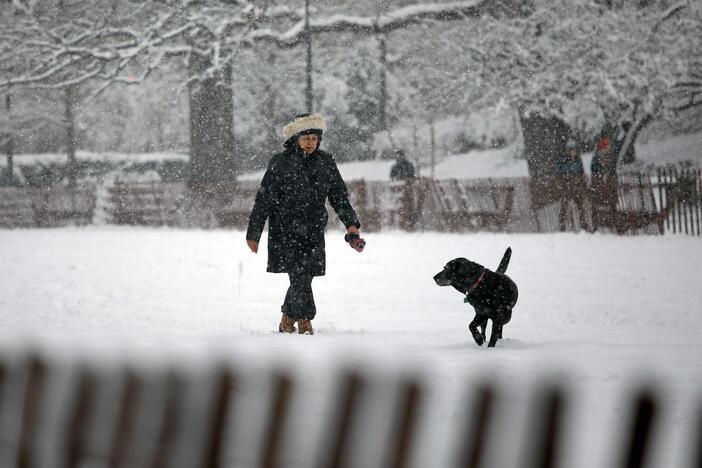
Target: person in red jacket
(604,184)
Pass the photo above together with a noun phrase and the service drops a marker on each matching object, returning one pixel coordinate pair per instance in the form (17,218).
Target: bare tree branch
(379,24)
(670,12)
(54,56)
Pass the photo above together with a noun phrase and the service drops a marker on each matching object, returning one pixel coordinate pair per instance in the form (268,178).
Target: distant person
(292,197)
(45,177)
(403,169)
(572,185)
(604,183)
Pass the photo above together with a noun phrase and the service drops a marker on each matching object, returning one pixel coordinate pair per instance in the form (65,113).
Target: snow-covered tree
(587,64)
(584,62)
(57,44)
(574,60)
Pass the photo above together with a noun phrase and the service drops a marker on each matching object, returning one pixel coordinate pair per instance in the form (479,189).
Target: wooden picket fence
(648,202)
(682,188)
(86,413)
(438,205)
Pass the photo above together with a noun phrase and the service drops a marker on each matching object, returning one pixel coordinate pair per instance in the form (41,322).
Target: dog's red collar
(476,284)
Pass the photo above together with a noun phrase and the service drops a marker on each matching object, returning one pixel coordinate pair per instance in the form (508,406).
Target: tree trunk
(10,144)
(626,156)
(545,138)
(270,112)
(71,140)
(382,104)
(71,103)
(432,143)
(544,141)
(309,93)
(212,158)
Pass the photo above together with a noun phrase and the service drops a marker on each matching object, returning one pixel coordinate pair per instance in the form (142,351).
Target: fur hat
(305,123)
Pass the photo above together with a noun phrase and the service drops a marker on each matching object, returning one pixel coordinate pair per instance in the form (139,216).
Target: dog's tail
(505,260)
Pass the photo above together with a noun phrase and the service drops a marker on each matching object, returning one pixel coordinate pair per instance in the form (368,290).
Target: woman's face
(308,143)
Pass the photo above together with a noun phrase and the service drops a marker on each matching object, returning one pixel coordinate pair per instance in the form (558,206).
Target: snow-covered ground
(597,312)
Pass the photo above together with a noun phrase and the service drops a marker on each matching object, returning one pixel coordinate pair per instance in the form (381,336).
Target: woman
(292,197)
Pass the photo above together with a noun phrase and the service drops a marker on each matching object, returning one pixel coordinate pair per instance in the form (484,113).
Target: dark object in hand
(355,241)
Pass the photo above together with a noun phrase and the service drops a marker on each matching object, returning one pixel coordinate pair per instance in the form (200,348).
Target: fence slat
(131,392)
(36,377)
(172,416)
(282,388)
(398,451)
(685,201)
(473,440)
(680,200)
(341,422)
(696,448)
(3,385)
(77,430)
(221,402)
(547,428)
(640,432)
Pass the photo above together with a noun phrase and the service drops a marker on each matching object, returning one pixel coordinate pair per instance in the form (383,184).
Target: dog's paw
(492,344)
(479,339)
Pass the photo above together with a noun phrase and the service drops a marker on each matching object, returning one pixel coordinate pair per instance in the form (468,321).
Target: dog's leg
(483,327)
(473,327)
(496,334)
(505,316)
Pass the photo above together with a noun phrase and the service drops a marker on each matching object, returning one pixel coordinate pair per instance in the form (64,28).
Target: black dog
(492,294)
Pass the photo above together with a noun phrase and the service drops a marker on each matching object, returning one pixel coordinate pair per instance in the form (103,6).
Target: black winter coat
(292,197)
(603,164)
(402,169)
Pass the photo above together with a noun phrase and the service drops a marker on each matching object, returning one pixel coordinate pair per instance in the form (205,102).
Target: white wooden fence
(90,411)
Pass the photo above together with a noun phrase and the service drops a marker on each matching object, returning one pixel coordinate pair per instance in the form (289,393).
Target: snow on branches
(120,41)
(570,56)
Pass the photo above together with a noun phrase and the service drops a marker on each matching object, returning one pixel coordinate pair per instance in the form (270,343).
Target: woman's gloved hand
(356,242)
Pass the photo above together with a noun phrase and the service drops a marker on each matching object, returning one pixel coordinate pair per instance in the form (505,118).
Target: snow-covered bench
(57,205)
(16,208)
(467,205)
(48,206)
